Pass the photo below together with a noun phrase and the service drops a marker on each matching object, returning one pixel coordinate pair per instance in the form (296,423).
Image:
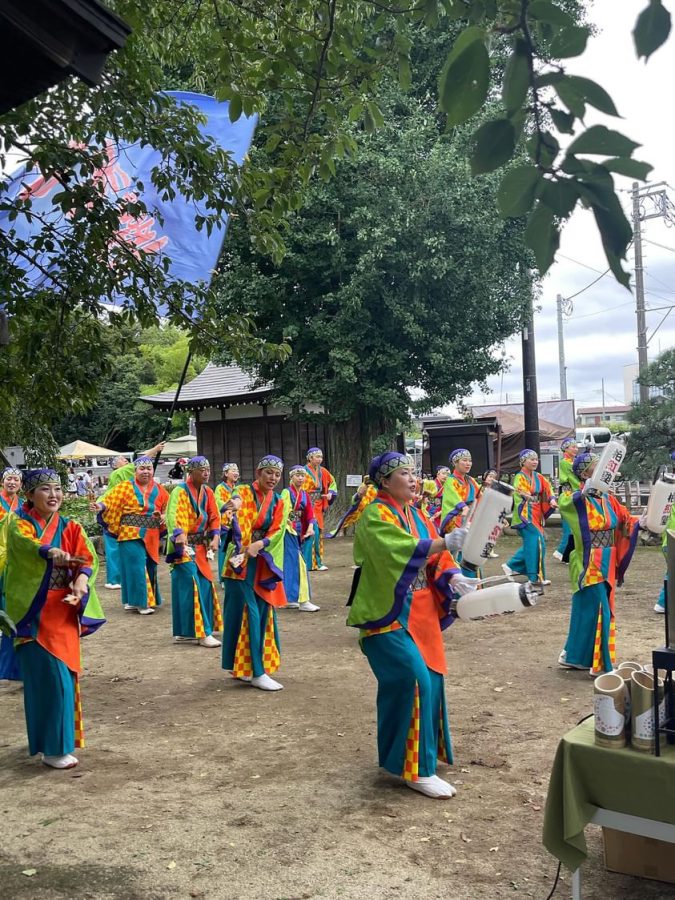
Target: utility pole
(564,308)
(603,400)
(660,208)
(640,295)
(530,401)
(561,349)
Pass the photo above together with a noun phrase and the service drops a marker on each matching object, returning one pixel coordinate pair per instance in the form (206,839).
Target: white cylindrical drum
(661,498)
(496,601)
(493,512)
(606,467)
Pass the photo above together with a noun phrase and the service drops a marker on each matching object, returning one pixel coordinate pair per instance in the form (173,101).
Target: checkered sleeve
(116,503)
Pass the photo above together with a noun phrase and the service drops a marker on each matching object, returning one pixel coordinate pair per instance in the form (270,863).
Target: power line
(656,244)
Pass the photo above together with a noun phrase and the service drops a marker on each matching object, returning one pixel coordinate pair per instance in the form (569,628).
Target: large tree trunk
(349,451)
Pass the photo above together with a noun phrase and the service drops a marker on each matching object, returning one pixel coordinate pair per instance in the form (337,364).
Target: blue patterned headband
(458,454)
(227,466)
(197,462)
(271,462)
(143,461)
(442,469)
(583,461)
(567,442)
(297,468)
(10,470)
(33,478)
(528,454)
(383,465)
(314,450)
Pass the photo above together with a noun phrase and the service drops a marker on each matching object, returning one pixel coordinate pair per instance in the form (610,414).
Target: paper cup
(642,713)
(609,710)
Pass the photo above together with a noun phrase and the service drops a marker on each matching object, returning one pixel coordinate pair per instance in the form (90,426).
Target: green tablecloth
(585,777)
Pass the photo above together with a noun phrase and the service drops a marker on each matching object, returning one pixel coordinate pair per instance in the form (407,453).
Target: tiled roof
(216,385)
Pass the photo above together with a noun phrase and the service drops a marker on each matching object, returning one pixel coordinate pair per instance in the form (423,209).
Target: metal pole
(640,296)
(531,408)
(167,424)
(561,349)
(603,400)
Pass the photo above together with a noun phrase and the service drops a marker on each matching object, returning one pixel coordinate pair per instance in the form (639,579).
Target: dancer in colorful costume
(299,527)
(436,502)
(365,494)
(226,508)
(133,513)
(401,602)
(193,526)
(9,503)
(568,483)
(533,504)
(660,605)
(123,470)
(460,491)
(49,592)
(605,535)
(254,580)
(321,487)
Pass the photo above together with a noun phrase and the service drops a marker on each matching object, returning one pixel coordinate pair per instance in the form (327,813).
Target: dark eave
(45,41)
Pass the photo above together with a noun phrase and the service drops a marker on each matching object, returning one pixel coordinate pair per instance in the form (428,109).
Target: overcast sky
(600,335)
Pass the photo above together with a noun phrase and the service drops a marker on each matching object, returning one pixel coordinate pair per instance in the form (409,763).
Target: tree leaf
(563,121)
(545,11)
(651,29)
(404,73)
(464,83)
(516,78)
(235,107)
(375,113)
(560,196)
(570,96)
(601,140)
(569,42)
(517,190)
(494,145)
(592,93)
(632,168)
(542,237)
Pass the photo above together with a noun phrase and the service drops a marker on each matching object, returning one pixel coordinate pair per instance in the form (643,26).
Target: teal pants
(529,559)
(134,564)
(184,578)
(586,605)
(662,595)
(311,550)
(400,669)
(49,701)
(112,559)
(240,596)
(564,537)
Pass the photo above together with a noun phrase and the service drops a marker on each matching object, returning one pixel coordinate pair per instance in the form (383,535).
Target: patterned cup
(609,710)
(642,716)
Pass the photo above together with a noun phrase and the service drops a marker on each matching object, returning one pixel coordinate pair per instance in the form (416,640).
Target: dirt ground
(195,785)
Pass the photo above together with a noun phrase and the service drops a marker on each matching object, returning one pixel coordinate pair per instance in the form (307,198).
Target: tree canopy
(312,69)
(146,361)
(399,281)
(653,436)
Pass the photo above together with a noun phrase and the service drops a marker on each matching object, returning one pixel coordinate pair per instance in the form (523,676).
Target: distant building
(596,415)
(237,421)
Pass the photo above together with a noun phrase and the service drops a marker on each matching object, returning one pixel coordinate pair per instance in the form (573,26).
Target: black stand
(664,659)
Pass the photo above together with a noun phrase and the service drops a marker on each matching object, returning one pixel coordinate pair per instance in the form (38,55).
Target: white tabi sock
(265,683)
(433,786)
(68,761)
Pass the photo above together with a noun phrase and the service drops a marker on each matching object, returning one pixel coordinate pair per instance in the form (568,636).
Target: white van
(592,437)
